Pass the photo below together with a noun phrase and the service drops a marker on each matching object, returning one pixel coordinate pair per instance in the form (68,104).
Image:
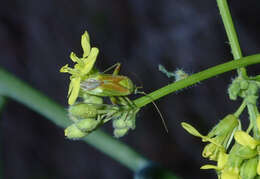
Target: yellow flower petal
(230,174)
(70,89)
(74,57)
(190,129)
(222,160)
(206,167)
(85,43)
(65,69)
(75,86)
(90,61)
(245,139)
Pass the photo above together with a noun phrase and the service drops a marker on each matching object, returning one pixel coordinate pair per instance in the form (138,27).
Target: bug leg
(129,102)
(117,66)
(113,100)
(117,69)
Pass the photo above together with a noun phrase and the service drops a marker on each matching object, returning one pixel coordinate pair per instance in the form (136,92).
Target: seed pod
(248,168)
(87,125)
(72,132)
(83,110)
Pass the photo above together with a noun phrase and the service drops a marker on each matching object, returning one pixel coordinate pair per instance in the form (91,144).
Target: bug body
(107,85)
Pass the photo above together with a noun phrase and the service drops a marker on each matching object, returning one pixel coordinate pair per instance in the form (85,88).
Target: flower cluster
(87,89)
(236,152)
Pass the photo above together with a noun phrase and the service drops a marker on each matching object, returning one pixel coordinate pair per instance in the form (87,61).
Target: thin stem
(231,33)
(257,78)
(14,88)
(197,77)
(253,112)
(240,109)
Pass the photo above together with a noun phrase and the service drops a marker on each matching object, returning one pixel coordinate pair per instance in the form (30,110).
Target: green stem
(231,33)
(2,103)
(257,78)
(253,113)
(240,109)
(197,77)
(14,88)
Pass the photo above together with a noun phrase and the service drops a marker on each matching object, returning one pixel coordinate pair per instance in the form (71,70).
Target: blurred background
(36,38)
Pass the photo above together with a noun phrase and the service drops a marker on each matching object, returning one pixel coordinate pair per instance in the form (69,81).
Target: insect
(88,83)
(101,84)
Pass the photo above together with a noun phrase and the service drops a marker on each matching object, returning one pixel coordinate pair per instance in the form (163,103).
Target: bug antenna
(111,67)
(157,109)
(136,77)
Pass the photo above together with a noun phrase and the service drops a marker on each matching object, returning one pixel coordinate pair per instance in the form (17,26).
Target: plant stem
(197,77)
(253,113)
(14,88)
(240,109)
(231,33)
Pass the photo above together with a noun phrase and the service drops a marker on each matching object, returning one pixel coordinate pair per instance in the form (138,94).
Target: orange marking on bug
(115,87)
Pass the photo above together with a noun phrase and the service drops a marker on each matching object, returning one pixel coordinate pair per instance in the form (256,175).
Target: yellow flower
(218,137)
(82,68)
(222,160)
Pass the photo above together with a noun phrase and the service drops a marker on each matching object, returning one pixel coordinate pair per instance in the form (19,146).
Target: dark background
(36,38)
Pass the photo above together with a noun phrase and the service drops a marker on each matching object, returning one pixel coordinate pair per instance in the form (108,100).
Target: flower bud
(244,84)
(258,167)
(120,132)
(119,124)
(83,110)
(234,89)
(131,123)
(245,139)
(87,125)
(92,99)
(251,99)
(225,126)
(248,168)
(211,151)
(245,152)
(72,132)
(252,89)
